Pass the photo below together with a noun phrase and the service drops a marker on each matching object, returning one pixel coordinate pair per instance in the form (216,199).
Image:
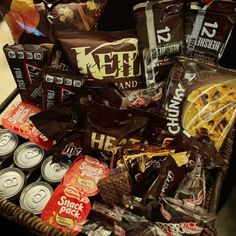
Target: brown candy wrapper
(69,147)
(202,148)
(148,98)
(114,187)
(26,62)
(120,127)
(200,98)
(57,61)
(104,56)
(143,163)
(54,124)
(79,14)
(160,30)
(209,29)
(59,86)
(27,20)
(192,189)
(172,171)
(58,120)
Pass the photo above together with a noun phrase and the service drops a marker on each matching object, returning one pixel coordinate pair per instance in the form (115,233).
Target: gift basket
(125,124)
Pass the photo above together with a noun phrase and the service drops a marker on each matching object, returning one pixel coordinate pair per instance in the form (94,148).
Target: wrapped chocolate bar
(209,29)
(147,98)
(57,121)
(26,62)
(78,14)
(55,60)
(69,147)
(64,117)
(192,189)
(143,163)
(178,218)
(160,30)
(27,21)
(104,56)
(120,127)
(96,228)
(201,147)
(200,98)
(59,86)
(132,224)
(172,171)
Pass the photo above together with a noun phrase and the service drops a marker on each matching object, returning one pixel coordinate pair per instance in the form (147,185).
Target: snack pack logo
(32,72)
(20,116)
(114,64)
(65,94)
(90,170)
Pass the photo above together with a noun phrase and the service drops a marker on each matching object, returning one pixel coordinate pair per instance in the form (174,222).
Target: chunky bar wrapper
(200,98)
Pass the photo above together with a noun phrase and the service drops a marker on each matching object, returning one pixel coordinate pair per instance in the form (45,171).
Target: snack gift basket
(125,124)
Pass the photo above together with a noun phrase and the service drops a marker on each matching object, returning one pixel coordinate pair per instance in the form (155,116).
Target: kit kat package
(104,56)
(160,30)
(208,30)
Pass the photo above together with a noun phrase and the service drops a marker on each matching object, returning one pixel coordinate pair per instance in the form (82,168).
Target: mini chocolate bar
(59,86)
(114,187)
(26,62)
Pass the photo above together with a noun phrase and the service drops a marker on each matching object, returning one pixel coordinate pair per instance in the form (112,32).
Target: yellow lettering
(97,139)
(108,142)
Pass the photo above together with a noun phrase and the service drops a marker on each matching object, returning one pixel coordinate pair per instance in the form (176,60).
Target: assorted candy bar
(209,29)
(26,62)
(104,56)
(160,30)
(139,104)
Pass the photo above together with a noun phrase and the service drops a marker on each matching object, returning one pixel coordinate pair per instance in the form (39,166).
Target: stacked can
(25,173)
(12,180)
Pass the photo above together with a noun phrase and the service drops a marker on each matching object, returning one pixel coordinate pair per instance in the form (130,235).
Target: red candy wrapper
(85,173)
(17,120)
(67,209)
